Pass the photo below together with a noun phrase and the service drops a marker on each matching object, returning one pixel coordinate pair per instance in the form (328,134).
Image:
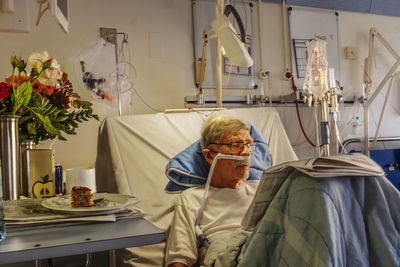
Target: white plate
(112,203)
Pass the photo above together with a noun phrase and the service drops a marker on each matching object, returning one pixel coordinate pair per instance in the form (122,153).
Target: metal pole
(218,63)
(125,39)
(116,67)
(369,102)
(382,112)
(324,127)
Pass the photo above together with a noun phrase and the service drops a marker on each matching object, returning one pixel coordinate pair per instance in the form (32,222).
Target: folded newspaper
(350,165)
(323,167)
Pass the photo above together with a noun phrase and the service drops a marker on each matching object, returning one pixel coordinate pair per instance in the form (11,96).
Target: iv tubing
(338,140)
(298,115)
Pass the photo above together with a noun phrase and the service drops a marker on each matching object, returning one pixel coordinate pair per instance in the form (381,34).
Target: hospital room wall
(165,69)
(164,75)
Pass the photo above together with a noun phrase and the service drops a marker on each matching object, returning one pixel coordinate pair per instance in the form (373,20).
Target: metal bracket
(108,34)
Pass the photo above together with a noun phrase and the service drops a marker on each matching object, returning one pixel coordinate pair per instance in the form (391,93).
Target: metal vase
(9,153)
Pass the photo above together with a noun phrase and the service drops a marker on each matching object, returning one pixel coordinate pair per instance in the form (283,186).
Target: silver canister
(9,156)
(24,148)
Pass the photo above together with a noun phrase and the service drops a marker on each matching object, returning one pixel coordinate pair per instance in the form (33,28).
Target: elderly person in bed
(227,199)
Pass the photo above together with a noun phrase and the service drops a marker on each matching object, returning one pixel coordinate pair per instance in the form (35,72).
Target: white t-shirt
(223,212)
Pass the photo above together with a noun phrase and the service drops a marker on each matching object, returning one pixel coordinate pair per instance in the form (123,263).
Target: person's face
(228,173)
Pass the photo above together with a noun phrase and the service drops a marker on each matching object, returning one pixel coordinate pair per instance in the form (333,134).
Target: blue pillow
(189,168)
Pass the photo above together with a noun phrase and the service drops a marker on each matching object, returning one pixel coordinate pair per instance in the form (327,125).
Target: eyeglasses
(236,146)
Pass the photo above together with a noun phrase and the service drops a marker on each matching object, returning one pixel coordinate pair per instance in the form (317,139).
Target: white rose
(37,59)
(49,76)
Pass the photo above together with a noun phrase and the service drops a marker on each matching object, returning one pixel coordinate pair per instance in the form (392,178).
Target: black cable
(230,9)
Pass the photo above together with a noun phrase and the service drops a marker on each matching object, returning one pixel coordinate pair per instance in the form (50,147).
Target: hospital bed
(386,153)
(134,150)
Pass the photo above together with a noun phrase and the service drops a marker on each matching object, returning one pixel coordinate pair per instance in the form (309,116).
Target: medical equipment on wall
(103,70)
(390,75)
(228,45)
(319,92)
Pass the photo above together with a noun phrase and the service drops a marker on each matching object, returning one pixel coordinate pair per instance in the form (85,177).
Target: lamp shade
(235,50)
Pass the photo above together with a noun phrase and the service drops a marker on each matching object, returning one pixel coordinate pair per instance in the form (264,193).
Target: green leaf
(22,96)
(60,119)
(47,124)
(49,127)
(24,118)
(31,128)
(62,138)
(45,178)
(52,110)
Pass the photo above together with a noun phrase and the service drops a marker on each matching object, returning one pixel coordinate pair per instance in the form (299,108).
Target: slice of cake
(81,197)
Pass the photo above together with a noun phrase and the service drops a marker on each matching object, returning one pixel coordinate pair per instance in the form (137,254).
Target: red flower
(22,78)
(4,90)
(41,88)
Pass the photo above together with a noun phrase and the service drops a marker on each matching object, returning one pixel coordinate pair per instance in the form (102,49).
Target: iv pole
(219,9)
(327,99)
(124,40)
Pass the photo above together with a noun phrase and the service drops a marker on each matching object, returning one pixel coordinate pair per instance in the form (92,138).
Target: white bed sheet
(134,150)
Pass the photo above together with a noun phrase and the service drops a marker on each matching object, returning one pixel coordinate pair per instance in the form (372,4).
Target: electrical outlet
(350,52)
(108,34)
(17,21)
(7,6)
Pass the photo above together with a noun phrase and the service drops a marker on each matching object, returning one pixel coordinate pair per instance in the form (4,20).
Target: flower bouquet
(44,99)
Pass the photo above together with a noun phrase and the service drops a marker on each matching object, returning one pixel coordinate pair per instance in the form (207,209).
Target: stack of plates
(106,203)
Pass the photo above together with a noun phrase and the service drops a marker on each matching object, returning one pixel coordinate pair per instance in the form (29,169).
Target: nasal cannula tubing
(207,185)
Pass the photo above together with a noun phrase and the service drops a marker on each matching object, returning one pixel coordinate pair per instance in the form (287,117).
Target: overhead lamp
(228,45)
(232,47)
